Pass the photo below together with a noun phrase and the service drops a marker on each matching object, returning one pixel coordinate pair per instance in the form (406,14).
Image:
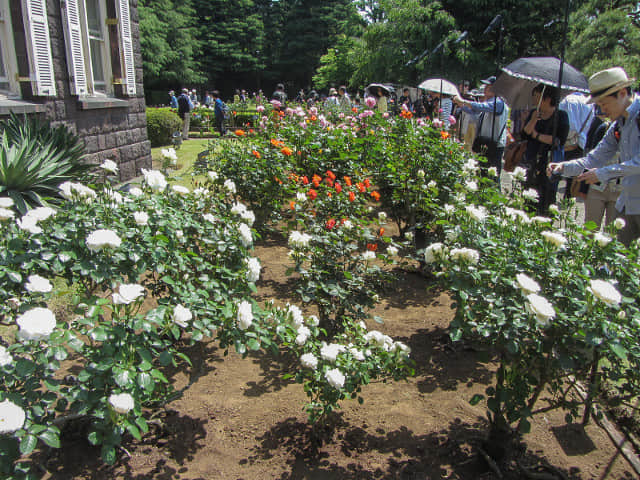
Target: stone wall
(111,128)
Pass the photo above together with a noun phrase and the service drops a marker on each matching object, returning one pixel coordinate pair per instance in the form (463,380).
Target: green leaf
(108,454)
(51,438)
(27,444)
(619,350)
(15,277)
(133,430)
(25,367)
(477,398)
(253,344)
(145,381)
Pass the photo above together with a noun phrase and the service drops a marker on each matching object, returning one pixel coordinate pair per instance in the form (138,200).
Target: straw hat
(607,82)
(333,91)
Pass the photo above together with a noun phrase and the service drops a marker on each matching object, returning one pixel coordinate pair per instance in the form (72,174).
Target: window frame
(105,50)
(8,54)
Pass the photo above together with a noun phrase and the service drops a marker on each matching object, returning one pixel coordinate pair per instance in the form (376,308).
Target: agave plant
(35,158)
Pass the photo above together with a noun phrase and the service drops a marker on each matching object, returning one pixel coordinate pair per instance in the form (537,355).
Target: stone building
(78,62)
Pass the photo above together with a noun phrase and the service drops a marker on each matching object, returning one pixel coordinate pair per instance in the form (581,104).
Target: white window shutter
(43,80)
(129,67)
(74,44)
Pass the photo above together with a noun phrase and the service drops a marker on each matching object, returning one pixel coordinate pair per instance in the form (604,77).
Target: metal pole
(561,70)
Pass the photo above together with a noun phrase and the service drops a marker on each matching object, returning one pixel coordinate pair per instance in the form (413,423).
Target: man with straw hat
(611,91)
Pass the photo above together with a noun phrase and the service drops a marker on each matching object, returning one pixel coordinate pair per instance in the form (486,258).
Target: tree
(338,65)
(605,34)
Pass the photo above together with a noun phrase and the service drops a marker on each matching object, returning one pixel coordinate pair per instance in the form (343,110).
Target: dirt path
(238,420)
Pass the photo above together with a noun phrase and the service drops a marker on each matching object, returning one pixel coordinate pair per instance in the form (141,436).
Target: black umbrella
(519,78)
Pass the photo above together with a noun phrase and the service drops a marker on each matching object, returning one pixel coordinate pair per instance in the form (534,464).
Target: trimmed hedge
(162,123)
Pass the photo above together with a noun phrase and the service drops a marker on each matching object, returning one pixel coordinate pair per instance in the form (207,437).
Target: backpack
(183,104)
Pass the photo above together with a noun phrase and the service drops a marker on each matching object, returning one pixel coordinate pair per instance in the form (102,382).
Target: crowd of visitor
(593,138)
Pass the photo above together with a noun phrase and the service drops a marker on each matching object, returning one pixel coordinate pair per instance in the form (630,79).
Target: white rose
(420,173)
(601,239)
(122,403)
(12,417)
(6,202)
(5,357)
(213,175)
(181,315)
(520,174)
(36,283)
(141,218)
(128,293)
(303,335)
(434,252)
(101,239)
(209,217)
(71,191)
(432,184)
(527,284)
(41,213)
(479,214)
(619,223)
(136,192)
(313,321)
(553,209)
(297,319)
(330,352)
(155,179)
(245,315)
(29,224)
(110,166)
(541,220)
(382,217)
(36,324)
(449,209)
(180,189)
(230,186)
(540,307)
(308,360)
(169,153)
(605,291)
(6,214)
(335,378)
(531,195)
(471,185)
(554,238)
(368,255)
(493,171)
(301,197)
(465,254)
(299,240)
(391,250)
(253,269)
(245,235)
(347,225)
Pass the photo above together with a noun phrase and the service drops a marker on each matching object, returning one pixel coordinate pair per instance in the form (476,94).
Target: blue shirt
(174,101)
(487,126)
(219,108)
(628,170)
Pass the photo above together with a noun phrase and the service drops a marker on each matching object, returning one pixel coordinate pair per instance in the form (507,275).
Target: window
(8,85)
(98,47)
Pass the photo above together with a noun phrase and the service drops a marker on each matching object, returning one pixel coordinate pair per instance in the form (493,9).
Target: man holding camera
(611,91)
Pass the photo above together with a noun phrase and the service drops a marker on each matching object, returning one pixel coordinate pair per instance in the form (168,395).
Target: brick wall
(117,133)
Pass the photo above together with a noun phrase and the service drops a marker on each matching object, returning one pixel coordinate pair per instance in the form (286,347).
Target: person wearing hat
(332,99)
(184,112)
(611,91)
(343,98)
(492,116)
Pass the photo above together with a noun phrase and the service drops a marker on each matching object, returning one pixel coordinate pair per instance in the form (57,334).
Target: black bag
(483,145)
(183,105)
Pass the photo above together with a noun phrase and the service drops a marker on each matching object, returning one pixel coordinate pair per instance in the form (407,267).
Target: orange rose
(352,196)
(372,247)
(256,153)
(287,151)
(381,231)
(316,179)
(361,187)
(330,224)
(375,195)
(331,175)
(239,132)
(367,183)
(444,135)
(347,180)
(312,194)
(292,205)
(338,187)
(305,180)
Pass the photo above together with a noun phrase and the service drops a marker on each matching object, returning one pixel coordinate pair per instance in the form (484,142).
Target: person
(236,96)
(312,98)
(611,91)
(445,109)
(600,200)
(332,100)
(381,100)
(491,131)
(343,98)
(173,101)
(405,99)
(280,95)
(468,121)
(580,116)
(184,112)
(194,97)
(220,112)
(208,99)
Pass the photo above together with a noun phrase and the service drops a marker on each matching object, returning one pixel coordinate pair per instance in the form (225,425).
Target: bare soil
(238,420)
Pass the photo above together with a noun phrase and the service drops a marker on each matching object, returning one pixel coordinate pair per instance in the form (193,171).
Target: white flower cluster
(36,324)
(121,403)
(470,166)
(303,334)
(393,251)
(12,417)
(295,315)
(245,235)
(554,238)
(517,215)
(368,255)
(170,154)
(335,378)
(29,221)
(299,240)
(330,352)
(308,360)
(379,339)
(241,210)
(181,315)
(245,315)
(301,197)
(471,185)
(605,291)
(101,239)
(253,269)
(541,220)
(382,217)
(180,189)
(230,186)
(213,175)
(531,194)
(5,357)
(155,179)
(435,251)
(128,293)
(71,191)
(467,255)
(519,173)
(601,239)
(479,214)
(38,284)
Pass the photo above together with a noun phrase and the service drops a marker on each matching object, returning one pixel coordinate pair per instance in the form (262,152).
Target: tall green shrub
(162,123)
